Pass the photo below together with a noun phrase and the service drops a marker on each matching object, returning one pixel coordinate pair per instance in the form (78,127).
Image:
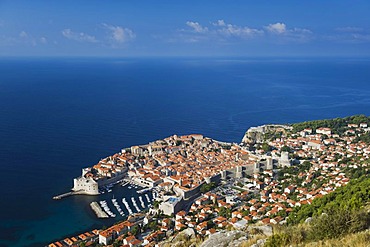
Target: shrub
(281,239)
(337,223)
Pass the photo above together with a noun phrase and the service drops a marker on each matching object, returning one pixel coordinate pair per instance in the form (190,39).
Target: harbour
(56,159)
(120,206)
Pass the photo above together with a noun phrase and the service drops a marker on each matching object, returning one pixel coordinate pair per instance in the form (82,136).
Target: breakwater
(98,210)
(58,197)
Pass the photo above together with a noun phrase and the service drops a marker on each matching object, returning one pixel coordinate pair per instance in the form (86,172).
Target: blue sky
(185,28)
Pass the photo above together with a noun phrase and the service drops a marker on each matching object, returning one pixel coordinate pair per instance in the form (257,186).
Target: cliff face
(260,133)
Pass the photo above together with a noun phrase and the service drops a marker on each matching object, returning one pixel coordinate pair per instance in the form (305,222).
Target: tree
(305,166)
(286,149)
(225,212)
(153,225)
(156,204)
(338,222)
(135,230)
(265,147)
(207,187)
(117,243)
(210,224)
(246,212)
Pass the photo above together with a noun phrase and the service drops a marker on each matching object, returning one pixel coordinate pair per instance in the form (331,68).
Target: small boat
(124,184)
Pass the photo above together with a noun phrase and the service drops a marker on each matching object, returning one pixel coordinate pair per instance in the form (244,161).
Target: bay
(58,115)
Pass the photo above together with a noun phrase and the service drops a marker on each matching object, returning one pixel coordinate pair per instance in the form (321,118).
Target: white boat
(105,207)
(147,198)
(144,190)
(142,202)
(125,203)
(115,203)
(135,205)
(124,184)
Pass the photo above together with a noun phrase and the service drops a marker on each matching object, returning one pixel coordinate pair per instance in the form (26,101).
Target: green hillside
(338,125)
(338,215)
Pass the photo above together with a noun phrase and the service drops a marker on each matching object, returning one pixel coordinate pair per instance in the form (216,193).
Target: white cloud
(115,35)
(349,29)
(197,27)
(237,31)
(349,35)
(21,38)
(218,31)
(43,40)
(228,33)
(284,34)
(220,23)
(277,28)
(81,37)
(25,38)
(361,37)
(23,35)
(281,29)
(120,34)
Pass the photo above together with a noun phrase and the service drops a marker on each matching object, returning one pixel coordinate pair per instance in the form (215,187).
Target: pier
(98,210)
(61,196)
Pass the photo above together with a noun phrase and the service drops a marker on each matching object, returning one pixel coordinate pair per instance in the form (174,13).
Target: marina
(104,205)
(127,206)
(102,209)
(115,203)
(135,205)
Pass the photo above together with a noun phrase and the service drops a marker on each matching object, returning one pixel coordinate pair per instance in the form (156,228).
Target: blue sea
(62,114)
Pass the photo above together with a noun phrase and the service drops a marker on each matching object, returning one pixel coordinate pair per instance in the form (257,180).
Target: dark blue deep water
(59,115)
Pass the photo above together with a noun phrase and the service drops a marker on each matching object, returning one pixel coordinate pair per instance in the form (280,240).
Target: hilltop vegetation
(338,125)
(334,216)
(350,197)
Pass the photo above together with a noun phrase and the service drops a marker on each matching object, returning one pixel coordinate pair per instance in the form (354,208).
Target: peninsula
(179,163)
(206,186)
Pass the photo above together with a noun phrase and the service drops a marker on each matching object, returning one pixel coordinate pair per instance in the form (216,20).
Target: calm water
(59,115)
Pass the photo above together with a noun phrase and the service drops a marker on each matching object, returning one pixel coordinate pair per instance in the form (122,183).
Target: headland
(206,186)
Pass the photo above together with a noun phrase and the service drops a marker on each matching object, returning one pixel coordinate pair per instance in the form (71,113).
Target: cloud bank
(119,34)
(80,37)
(113,35)
(221,30)
(197,27)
